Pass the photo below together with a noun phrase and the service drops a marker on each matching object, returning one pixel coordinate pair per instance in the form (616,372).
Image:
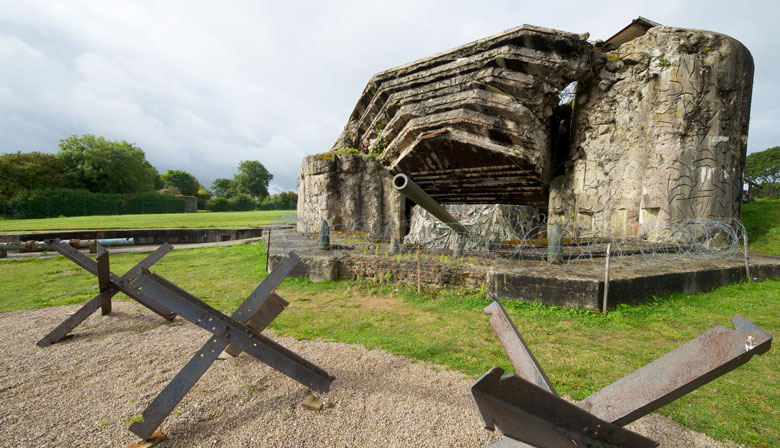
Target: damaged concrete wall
(660,135)
(349,191)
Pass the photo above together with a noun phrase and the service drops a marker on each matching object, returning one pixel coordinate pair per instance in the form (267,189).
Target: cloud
(201,86)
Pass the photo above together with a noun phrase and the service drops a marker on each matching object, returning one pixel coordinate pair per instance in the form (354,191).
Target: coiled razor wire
(522,244)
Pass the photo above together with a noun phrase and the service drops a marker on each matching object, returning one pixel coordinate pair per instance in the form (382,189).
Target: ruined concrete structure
(657,132)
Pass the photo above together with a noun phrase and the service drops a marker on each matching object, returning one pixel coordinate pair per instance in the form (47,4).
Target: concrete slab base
(578,284)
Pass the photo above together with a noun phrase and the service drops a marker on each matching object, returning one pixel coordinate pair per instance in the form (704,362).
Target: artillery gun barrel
(411,190)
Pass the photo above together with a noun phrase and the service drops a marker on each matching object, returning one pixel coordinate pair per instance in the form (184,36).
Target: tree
(103,166)
(222,188)
(763,168)
(252,179)
(181,180)
(29,171)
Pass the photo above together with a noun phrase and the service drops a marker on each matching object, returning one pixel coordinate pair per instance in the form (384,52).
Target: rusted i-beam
(258,310)
(678,372)
(543,420)
(100,300)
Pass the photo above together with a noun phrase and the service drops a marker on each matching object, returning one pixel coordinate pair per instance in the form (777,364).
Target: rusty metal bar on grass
(678,372)
(99,300)
(524,362)
(259,309)
(525,409)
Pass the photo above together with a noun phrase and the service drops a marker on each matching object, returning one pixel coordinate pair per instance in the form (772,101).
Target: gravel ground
(85,391)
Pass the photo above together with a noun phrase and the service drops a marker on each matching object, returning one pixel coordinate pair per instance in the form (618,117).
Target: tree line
(94,164)
(762,170)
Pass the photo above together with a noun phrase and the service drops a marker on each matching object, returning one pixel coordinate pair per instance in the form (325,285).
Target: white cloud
(201,86)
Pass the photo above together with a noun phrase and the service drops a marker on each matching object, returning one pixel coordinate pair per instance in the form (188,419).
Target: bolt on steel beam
(688,367)
(262,299)
(229,330)
(680,371)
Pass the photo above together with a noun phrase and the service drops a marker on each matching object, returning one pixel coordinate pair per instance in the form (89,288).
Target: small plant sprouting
(389,277)
(287,414)
(252,389)
(663,62)
(399,258)
(443,259)
(137,419)
(376,250)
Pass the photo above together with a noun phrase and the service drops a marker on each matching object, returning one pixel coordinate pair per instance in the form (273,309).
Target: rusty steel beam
(524,362)
(119,283)
(525,412)
(505,403)
(266,313)
(253,343)
(104,278)
(678,372)
(258,300)
(99,300)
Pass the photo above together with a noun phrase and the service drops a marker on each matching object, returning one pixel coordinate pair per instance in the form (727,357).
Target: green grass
(762,222)
(167,220)
(581,351)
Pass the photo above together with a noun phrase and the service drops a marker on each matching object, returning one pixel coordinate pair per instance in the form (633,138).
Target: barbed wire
(520,242)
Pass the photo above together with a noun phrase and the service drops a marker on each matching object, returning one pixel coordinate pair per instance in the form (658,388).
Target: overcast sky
(203,85)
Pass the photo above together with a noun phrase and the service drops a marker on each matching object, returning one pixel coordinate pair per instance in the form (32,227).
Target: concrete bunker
(633,138)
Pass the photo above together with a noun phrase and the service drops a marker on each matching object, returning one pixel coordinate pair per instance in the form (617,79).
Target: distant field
(176,220)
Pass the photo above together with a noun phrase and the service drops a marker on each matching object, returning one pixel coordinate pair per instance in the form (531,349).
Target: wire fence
(59,207)
(522,242)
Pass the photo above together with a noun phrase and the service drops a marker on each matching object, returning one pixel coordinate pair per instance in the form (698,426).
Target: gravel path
(85,391)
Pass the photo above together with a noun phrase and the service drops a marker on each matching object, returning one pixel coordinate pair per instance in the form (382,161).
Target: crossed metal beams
(109,285)
(240,332)
(526,408)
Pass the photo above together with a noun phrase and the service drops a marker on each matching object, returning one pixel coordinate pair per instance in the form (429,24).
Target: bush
(217,205)
(71,202)
(241,203)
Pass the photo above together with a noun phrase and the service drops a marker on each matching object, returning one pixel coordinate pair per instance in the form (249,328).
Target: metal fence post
(142,207)
(48,208)
(116,208)
(85,207)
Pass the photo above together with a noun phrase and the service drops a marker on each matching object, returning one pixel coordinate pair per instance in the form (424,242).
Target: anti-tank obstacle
(236,333)
(526,408)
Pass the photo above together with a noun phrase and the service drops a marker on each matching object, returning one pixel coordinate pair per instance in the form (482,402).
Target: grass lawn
(580,350)
(166,220)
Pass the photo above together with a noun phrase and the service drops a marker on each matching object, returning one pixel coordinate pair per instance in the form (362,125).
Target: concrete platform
(633,279)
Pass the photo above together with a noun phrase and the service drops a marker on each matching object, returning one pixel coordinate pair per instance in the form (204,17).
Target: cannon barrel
(402,183)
